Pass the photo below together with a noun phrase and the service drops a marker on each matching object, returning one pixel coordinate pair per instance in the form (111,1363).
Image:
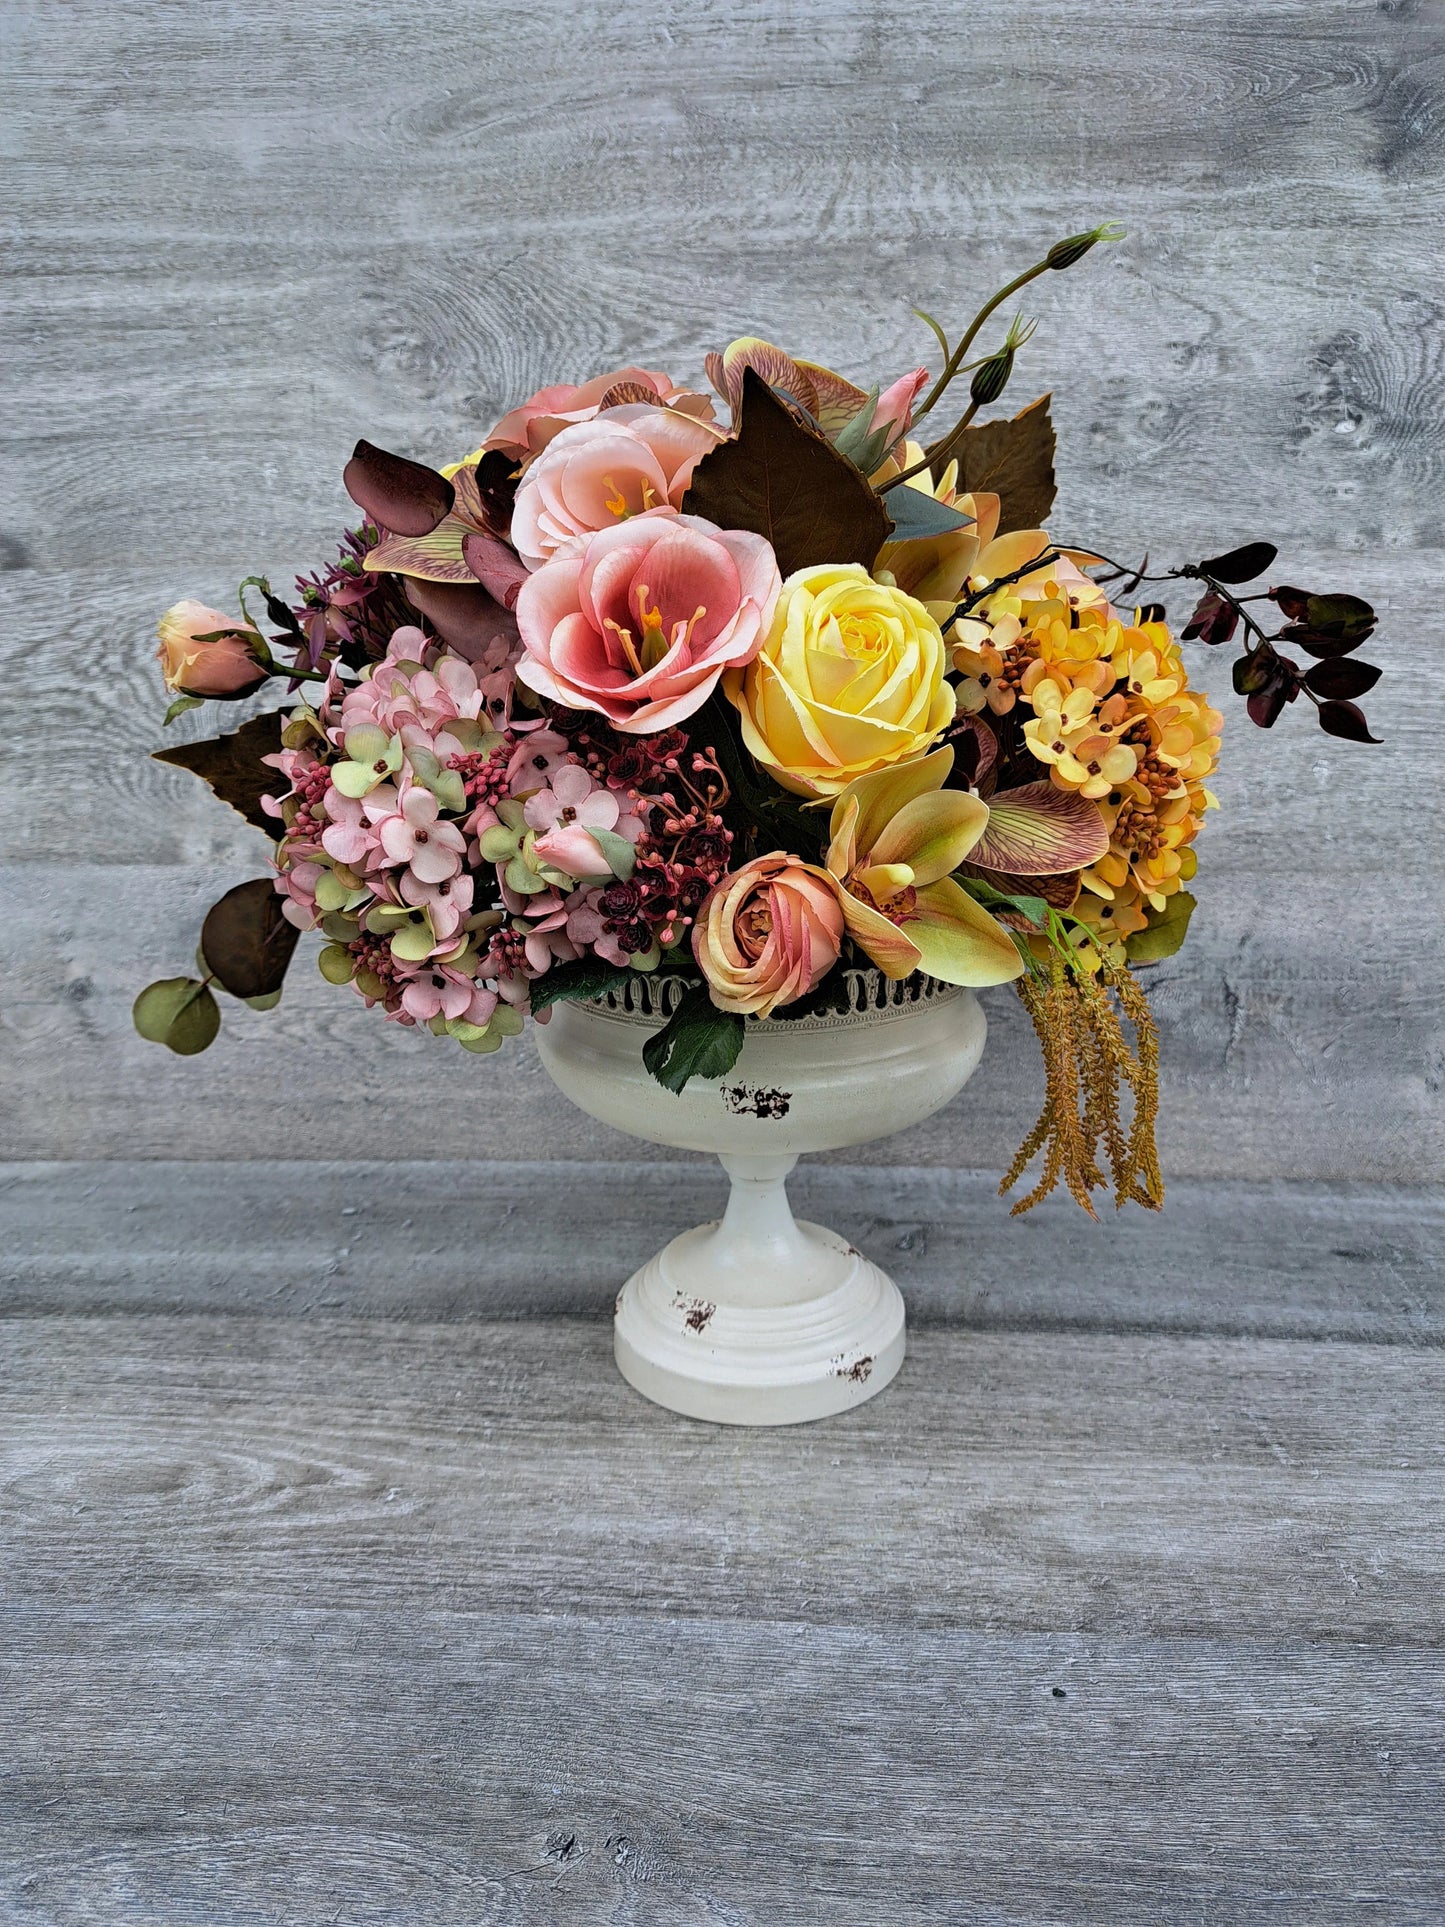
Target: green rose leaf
(1165,932)
(572,982)
(618,852)
(861,443)
(698,1040)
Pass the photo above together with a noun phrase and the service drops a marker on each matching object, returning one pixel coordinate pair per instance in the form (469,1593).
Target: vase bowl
(755,1318)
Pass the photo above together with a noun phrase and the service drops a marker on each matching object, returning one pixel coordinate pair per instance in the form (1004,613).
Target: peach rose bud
(767,934)
(225,667)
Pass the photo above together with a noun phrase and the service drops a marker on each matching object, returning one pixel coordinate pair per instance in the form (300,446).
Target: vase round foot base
(685,1345)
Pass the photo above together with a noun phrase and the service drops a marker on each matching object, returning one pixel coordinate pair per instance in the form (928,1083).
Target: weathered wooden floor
(424,1617)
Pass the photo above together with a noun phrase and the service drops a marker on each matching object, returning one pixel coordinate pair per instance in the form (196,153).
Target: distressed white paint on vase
(757,1319)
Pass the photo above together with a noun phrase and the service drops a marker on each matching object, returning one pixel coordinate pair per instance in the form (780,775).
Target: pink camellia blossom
(768,933)
(433,850)
(598,473)
(526,431)
(641,623)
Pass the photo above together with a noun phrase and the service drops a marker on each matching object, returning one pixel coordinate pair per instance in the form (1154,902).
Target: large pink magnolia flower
(642,622)
(526,431)
(598,473)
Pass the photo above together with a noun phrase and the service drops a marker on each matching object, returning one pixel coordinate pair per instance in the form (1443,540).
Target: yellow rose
(849,679)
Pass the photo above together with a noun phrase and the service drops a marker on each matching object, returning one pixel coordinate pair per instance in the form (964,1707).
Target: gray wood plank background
(342,1581)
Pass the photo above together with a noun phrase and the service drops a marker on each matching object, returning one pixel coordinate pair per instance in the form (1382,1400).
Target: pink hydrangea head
(526,431)
(598,473)
(768,933)
(641,622)
(432,850)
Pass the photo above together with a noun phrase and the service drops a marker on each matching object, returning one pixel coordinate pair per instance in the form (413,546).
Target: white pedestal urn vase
(758,1319)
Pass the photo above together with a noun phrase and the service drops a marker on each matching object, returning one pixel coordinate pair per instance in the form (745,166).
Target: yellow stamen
(625,642)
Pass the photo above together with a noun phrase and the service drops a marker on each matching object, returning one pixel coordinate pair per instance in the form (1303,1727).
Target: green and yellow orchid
(896,836)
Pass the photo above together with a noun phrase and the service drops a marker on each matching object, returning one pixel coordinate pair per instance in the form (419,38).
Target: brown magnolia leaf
(232,766)
(404,497)
(246,940)
(784,481)
(1013,460)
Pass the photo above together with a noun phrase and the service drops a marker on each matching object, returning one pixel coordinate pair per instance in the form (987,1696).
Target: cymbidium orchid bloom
(896,837)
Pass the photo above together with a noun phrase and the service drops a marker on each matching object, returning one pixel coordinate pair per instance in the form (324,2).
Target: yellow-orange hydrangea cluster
(1113,718)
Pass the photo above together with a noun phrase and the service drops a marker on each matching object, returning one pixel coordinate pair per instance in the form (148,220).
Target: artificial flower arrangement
(745,690)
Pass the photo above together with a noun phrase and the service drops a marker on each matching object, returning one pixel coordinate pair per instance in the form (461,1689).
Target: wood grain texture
(340,1582)
(438,1240)
(379,1622)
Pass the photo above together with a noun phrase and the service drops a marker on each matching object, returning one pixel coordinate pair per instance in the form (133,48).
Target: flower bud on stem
(1063,254)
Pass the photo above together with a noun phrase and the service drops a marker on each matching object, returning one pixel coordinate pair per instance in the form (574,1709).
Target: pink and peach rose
(598,473)
(526,431)
(768,933)
(225,667)
(642,621)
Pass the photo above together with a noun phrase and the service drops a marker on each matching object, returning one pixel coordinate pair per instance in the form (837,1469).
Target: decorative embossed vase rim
(863,996)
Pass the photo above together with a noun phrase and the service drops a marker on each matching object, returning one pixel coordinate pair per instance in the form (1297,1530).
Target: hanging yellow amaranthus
(1079,1020)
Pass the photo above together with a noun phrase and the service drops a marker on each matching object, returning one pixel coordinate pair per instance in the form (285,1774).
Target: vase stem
(758,1255)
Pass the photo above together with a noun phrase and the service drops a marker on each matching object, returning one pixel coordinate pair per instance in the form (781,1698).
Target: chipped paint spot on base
(860,1371)
(696,1312)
